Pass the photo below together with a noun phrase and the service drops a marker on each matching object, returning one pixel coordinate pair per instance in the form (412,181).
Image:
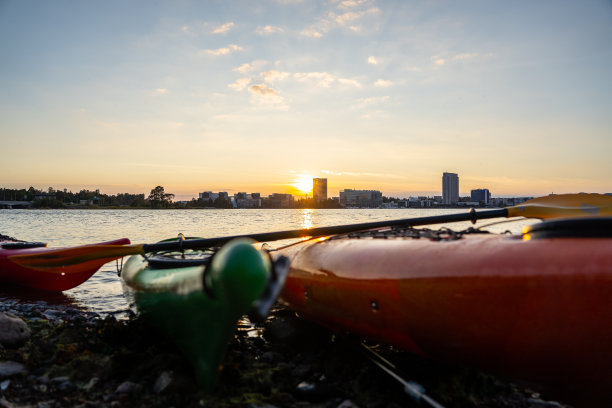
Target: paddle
(553,206)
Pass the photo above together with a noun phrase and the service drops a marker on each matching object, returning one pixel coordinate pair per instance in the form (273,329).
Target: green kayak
(196,298)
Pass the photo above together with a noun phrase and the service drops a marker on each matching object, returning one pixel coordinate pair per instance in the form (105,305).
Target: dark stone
(13,331)
(11,369)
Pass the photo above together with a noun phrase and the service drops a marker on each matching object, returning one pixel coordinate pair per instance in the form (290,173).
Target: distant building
(208,195)
(319,190)
(450,188)
(481,195)
(360,198)
(278,201)
(244,200)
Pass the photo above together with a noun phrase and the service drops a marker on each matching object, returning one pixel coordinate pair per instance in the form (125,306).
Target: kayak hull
(536,309)
(53,278)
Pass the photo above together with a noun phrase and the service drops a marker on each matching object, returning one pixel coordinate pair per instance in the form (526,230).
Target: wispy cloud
(273,76)
(312,33)
(324,79)
(383,83)
(240,84)
(223,28)
(349,15)
(267,97)
(372,60)
(347,4)
(263,90)
(267,30)
(225,50)
(244,68)
(366,102)
(161,91)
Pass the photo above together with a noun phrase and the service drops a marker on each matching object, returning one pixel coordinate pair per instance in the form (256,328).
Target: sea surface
(103,293)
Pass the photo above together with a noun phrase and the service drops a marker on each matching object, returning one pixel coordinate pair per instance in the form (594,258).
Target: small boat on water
(39,275)
(536,306)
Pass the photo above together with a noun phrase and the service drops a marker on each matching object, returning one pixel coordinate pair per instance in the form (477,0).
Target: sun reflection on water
(306,216)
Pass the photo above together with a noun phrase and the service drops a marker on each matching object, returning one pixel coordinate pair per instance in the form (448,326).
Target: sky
(253,96)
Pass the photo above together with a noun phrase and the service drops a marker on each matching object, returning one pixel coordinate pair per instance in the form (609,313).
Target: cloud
(225,50)
(263,90)
(351,3)
(465,56)
(383,83)
(267,30)
(244,68)
(372,60)
(366,102)
(349,82)
(351,16)
(224,28)
(161,91)
(240,84)
(312,33)
(273,76)
(324,79)
(267,97)
(438,61)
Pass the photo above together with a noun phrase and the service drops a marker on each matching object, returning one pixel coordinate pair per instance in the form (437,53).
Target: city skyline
(255,96)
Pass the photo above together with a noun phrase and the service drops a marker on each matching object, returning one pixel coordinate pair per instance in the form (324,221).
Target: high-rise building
(319,190)
(450,188)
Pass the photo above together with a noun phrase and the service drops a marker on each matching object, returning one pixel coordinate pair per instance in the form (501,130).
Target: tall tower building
(450,188)
(319,190)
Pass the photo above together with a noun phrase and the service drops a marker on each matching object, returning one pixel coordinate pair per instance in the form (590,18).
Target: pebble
(128,388)
(11,368)
(13,331)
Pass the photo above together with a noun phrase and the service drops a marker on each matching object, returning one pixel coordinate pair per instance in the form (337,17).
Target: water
(102,293)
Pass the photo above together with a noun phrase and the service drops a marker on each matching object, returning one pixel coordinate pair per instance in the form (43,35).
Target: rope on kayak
(442,234)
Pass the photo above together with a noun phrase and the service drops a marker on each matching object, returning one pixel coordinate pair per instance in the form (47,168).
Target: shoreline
(79,358)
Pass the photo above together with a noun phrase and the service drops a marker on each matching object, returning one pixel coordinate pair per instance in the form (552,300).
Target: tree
(159,198)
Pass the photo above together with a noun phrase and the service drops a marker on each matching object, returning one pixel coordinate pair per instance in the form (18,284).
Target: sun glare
(303,183)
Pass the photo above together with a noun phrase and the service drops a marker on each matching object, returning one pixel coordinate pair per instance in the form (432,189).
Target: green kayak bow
(197,306)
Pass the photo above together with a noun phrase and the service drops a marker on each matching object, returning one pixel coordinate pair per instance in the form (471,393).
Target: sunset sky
(122,96)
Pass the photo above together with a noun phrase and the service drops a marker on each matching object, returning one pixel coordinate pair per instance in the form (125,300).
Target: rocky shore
(58,356)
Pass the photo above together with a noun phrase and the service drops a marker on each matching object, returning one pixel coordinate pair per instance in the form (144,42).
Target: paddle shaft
(322,231)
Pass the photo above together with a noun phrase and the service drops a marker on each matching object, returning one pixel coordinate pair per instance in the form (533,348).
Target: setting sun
(303,183)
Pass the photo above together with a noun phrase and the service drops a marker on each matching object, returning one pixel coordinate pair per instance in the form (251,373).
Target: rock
(13,331)
(538,403)
(347,404)
(271,357)
(302,370)
(171,382)
(4,385)
(313,392)
(91,384)
(11,368)
(128,388)
(162,382)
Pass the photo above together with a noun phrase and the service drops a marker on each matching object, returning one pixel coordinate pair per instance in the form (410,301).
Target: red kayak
(537,306)
(41,277)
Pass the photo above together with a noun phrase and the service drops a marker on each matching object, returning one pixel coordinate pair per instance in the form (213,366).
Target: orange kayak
(55,278)
(537,306)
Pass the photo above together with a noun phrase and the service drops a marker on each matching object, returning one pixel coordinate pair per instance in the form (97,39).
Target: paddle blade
(72,256)
(564,206)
